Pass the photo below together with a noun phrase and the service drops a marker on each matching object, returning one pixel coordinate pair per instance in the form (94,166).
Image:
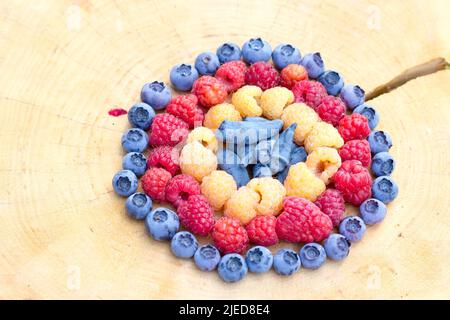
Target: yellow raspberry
(324,162)
(197,161)
(242,204)
(323,134)
(204,136)
(218,187)
(303,116)
(274,100)
(246,101)
(302,182)
(271,192)
(217,114)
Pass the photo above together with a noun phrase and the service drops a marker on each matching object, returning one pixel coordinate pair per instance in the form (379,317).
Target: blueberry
(372,211)
(384,189)
(383,164)
(332,81)
(379,141)
(285,54)
(182,76)
(256,49)
(259,259)
(336,246)
(135,140)
(136,162)
(138,205)
(232,267)
(207,63)
(313,63)
(228,52)
(261,170)
(184,244)
(352,228)
(162,223)
(125,183)
(370,113)
(156,94)
(141,116)
(286,262)
(352,96)
(312,255)
(207,257)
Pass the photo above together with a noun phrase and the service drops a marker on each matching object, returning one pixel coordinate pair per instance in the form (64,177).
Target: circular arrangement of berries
(256,153)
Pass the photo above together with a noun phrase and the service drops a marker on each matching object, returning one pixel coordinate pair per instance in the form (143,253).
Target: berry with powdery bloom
(196,215)
(354,126)
(232,74)
(209,91)
(229,236)
(164,157)
(331,110)
(356,150)
(292,74)
(309,92)
(185,107)
(263,75)
(302,221)
(332,204)
(154,183)
(168,130)
(354,181)
(261,230)
(179,188)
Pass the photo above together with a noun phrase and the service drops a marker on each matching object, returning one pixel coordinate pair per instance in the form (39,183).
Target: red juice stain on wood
(117,112)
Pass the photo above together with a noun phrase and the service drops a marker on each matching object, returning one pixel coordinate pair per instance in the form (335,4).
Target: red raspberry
(309,92)
(196,215)
(164,157)
(261,230)
(168,130)
(180,188)
(331,110)
(332,204)
(209,91)
(229,236)
(154,183)
(291,74)
(263,75)
(354,126)
(232,74)
(354,181)
(302,221)
(185,107)
(356,150)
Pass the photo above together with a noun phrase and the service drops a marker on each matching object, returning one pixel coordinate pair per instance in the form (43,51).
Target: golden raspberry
(242,204)
(271,192)
(323,134)
(204,136)
(274,100)
(302,182)
(218,187)
(217,114)
(303,116)
(246,101)
(324,162)
(197,161)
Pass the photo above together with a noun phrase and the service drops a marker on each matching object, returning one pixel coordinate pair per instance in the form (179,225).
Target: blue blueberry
(372,211)
(136,162)
(138,205)
(162,224)
(182,76)
(285,54)
(259,259)
(156,94)
(352,228)
(384,189)
(261,170)
(135,140)
(380,141)
(332,81)
(125,183)
(207,63)
(255,50)
(228,52)
(312,256)
(232,267)
(336,246)
(370,113)
(207,257)
(141,116)
(184,244)
(352,96)
(313,63)
(383,164)
(286,262)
